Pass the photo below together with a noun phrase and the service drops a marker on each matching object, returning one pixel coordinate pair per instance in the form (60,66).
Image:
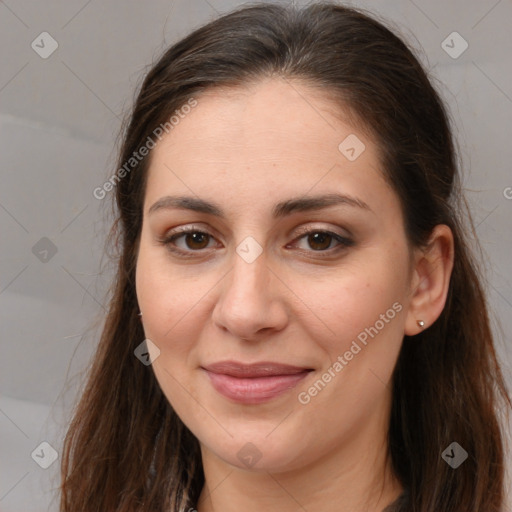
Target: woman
(297,322)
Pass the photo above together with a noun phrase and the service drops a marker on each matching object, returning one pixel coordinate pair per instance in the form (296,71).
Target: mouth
(253,383)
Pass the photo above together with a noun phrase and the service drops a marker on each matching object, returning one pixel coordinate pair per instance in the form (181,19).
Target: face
(277,293)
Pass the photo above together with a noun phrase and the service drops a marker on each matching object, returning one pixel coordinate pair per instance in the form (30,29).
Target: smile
(256,383)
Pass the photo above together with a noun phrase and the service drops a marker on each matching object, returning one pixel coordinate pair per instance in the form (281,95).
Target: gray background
(59,118)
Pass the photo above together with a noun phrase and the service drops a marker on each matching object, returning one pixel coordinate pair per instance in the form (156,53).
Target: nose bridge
(249,266)
(249,277)
(247,302)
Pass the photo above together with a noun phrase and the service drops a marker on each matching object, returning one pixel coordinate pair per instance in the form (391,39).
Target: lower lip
(255,390)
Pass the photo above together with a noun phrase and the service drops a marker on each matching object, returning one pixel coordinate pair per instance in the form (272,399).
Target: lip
(254,383)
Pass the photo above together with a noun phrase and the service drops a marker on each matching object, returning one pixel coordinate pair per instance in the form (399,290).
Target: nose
(251,301)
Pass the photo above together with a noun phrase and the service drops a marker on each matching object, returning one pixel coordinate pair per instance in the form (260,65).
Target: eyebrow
(297,204)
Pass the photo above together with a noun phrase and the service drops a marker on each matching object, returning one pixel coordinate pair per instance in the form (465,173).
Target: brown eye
(319,241)
(197,240)
(188,241)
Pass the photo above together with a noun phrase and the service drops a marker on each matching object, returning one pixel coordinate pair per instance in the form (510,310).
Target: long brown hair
(126,449)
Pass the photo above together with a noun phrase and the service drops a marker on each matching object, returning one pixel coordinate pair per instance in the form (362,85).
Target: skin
(247,149)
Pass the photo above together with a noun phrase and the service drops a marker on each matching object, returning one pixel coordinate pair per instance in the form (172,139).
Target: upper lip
(260,369)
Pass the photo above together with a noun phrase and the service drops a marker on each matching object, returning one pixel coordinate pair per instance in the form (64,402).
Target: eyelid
(305,230)
(186,229)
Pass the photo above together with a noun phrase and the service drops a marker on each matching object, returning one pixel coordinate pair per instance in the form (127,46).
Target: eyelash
(168,241)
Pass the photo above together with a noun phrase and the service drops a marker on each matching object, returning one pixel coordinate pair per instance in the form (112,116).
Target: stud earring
(140,313)
(421,323)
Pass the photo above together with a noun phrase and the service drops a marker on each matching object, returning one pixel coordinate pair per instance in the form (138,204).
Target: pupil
(197,239)
(319,239)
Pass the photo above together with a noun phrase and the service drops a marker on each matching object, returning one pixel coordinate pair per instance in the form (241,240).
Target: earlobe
(429,287)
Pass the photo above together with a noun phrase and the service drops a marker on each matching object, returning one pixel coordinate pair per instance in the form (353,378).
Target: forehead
(278,115)
(270,139)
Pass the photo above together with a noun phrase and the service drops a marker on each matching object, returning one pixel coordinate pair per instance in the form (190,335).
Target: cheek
(167,304)
(365,315)
(364,310)
(355,299)
(161,297)
(175,302)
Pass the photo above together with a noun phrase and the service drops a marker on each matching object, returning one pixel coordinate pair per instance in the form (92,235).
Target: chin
(259,452)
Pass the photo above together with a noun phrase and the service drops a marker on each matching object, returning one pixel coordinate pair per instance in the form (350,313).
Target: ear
(431,278)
